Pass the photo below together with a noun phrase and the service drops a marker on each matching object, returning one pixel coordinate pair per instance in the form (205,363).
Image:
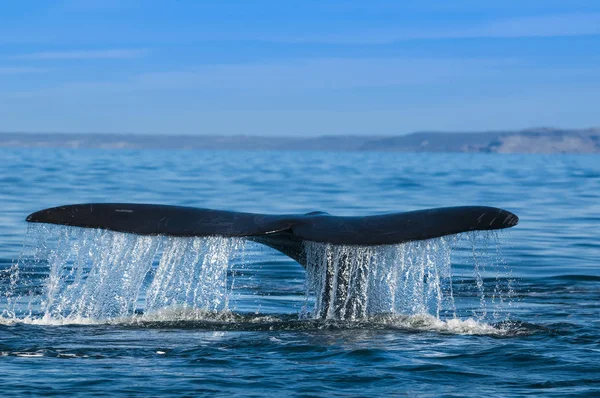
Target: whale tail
(285,233)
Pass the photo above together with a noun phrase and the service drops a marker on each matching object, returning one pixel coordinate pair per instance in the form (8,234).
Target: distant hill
(540,140)
(537,140)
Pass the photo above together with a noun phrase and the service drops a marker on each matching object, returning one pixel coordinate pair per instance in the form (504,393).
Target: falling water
(95,274)
(351,282)
(75,273)
(414,278)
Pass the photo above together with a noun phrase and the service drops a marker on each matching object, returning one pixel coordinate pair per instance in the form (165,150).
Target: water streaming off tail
(353,282)
(70,274)
(85,273)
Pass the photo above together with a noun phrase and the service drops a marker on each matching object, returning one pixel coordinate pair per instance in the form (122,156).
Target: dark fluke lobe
(277,230)
(147,219)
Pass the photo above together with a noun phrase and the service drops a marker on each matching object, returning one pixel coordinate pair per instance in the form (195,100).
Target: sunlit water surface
(90,311)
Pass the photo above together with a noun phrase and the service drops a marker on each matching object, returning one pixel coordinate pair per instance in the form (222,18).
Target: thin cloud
(542,26)
(561,25)
(99,5)
(299,77)
(19,70)
(83,55)
(305,76)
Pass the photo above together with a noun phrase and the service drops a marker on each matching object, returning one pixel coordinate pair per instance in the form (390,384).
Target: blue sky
(302,68)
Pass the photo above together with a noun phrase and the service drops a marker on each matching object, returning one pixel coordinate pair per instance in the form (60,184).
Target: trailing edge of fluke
(282,232)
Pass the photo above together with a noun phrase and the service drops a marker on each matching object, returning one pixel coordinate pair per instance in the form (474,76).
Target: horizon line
(283,135)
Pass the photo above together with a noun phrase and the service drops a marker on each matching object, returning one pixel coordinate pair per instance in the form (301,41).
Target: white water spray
(414,278)
(351,283)
(86,274)
(97,274)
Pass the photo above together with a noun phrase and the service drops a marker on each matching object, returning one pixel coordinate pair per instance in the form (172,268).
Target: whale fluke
(282,232)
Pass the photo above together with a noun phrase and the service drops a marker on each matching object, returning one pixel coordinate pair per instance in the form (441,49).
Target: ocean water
(507,313)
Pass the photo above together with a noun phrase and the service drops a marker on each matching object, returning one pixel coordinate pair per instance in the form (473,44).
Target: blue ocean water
(503,314)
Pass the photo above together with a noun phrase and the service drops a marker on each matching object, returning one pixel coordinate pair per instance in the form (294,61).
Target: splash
(351,283)
(414,278)
(70,275)
(93,274)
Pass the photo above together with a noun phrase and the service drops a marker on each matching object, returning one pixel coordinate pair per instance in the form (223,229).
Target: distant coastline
(534,140)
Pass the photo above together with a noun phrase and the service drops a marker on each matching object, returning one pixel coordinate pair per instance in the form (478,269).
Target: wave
(178,318)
